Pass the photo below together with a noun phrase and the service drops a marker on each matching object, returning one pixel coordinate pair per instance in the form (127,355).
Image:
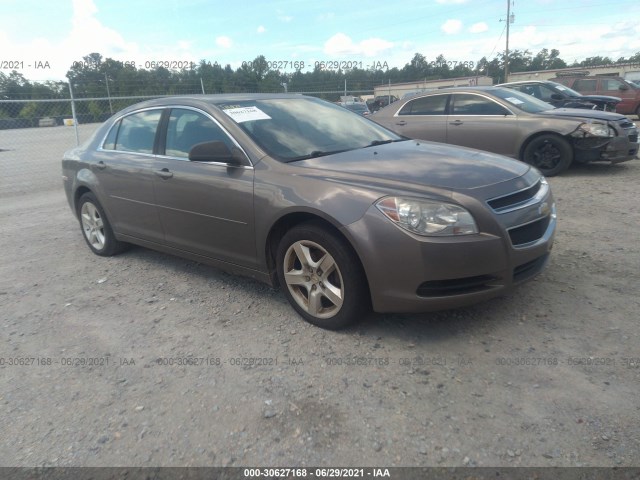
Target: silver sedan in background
(515,124)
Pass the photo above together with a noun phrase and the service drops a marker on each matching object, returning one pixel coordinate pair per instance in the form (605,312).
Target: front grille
(514,199)
(633,138)
(530,232)
(456,286)
(529,269)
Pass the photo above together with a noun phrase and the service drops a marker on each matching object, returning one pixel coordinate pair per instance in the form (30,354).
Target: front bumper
(411,273)
(618,149)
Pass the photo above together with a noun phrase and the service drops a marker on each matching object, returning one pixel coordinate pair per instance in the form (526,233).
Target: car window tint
(529,90)
(611,84)
(545,93)
(476,105)
(432,105)
(585,85)
(137,132)
(110,140)
(187,128)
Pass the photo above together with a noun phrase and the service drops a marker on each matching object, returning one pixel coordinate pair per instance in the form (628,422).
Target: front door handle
(100,165)
(401,122)
(456,123)
(164,173)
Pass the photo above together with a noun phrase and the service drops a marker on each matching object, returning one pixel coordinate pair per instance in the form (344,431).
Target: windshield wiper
(379,142)
(315,154)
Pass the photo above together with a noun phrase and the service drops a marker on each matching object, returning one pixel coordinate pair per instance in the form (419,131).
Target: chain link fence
(34,134)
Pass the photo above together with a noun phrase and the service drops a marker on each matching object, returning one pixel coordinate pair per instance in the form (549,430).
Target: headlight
(595,130)
(427,217)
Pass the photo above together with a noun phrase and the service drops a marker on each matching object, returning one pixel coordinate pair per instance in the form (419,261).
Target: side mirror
(556,96)
(215,152)
(623,87)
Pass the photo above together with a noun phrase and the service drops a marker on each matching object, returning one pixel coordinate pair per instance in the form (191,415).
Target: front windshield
(299,127)
(522,101)
(566,90)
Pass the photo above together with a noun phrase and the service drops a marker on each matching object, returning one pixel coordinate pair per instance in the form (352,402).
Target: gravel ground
(145,359)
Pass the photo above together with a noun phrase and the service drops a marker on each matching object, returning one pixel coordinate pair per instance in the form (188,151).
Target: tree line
(98,77)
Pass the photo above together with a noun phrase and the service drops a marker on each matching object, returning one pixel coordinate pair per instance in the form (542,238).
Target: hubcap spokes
(547,156)
(92,225)
(313,279)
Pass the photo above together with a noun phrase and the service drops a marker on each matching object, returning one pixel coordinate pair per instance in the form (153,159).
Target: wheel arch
(533,136)
(79,192)
(290,220)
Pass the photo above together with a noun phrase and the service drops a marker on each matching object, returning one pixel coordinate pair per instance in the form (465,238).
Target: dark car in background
(381,101)
(512,123)
(342,213)
(357,107)
(607,85)
(561,96)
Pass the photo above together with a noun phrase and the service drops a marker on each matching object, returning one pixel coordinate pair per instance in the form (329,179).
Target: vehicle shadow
(419,328)
(597,168)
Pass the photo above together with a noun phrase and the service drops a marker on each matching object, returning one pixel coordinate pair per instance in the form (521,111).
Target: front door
(205,208)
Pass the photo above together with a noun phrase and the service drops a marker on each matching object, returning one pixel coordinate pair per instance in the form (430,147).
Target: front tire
(96,228)
(549,153)
(321,277)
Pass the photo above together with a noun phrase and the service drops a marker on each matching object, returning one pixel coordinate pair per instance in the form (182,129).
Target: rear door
(424,118)
(616,88)
(477,121)
(124,169)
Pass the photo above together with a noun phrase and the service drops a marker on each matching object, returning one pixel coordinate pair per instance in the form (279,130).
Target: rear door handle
(100,165)
(456,123)
(164,173)
(401,122)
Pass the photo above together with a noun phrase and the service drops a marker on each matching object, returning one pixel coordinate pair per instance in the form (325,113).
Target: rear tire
(549,153)
(96,229)
(321,277)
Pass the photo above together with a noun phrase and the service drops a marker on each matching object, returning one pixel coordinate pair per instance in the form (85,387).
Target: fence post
(73,114)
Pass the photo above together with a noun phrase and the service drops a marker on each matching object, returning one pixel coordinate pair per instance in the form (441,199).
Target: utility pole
(106,80)
(506,52)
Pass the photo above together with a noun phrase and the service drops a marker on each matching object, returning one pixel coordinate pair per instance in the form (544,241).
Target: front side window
(432,105)
(611,84)
(464,104)
(134,133)
(187,128)
(529,90)
(546,93)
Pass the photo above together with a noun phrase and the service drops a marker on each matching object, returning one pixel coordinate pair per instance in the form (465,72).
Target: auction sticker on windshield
(513,100)
(246,114)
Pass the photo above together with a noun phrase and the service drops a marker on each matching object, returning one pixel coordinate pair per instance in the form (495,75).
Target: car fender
(85,179)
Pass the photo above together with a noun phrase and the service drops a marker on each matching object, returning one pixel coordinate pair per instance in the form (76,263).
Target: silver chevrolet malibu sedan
(341,213)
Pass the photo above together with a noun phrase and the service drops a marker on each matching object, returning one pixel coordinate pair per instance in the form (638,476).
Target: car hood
(424,163)
(598,98)
(580,113)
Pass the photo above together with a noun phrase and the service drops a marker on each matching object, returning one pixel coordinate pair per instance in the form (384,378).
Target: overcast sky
(53,34)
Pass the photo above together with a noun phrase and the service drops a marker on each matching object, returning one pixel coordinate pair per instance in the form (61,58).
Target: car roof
(522,82)
(212,99)
(489,89)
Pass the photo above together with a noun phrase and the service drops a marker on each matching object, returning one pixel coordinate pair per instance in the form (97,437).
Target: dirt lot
(147,359)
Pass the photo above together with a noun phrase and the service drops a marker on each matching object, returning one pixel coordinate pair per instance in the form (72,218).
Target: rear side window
(432,105)
(134,133)
(585,85)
